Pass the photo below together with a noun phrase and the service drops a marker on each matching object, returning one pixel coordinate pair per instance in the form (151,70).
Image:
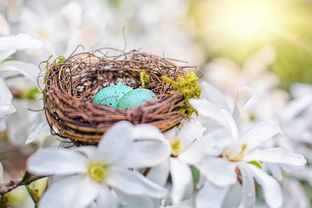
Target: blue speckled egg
(136,97)
(111,95)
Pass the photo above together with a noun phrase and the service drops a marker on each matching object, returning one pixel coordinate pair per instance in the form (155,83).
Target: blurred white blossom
(105,173)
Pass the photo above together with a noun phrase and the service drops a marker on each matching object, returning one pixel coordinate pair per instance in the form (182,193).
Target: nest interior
(70,85)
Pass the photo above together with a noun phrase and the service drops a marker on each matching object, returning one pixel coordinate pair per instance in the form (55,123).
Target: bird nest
(71,84)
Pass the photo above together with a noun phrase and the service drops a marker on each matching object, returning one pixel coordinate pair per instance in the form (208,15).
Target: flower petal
(192,130)
(62,161)
(149,148)
(242,97)
(276,155)
(210,115)
(20,41)
(248,193)
(259,134)
(182,181)
(6,95)
(6,54)
(4,26)
(106,198)
(131,182)
(38,124)
(1,173)
(210,196)
(214,95)
(116,141)
(159,174)
(29,70)
(217,170)
(137,201)
(73,191)
(271,189)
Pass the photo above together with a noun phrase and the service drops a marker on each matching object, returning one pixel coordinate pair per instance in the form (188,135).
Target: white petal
(182,181)
(6,95)
(275,170)
(106,199)
(136,201)
(116,141)
(213,95)
(69,192)
(233,196)
(132,182)
(4,26)
(300,89)
(38,124)
(72,13)
(271,189)
(248,194)
(149,148)
(231,125)
(191,131)
(276,155)
(193,153)
(19,42)
(57,161)
(1,173)
(210,196)
(259,134)
(242,96)
(211,114)
(2,124)
(217,170)
(29,70)
(159,174)
(6,54)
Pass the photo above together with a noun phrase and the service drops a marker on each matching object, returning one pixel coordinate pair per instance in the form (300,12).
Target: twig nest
(81,103)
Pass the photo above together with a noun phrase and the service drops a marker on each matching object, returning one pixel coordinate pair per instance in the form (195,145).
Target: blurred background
(265,44)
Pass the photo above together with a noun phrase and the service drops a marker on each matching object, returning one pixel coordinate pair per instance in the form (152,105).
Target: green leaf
(195,174)
(256,163)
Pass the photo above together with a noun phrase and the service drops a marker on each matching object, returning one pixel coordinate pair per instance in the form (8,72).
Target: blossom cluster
(245,148)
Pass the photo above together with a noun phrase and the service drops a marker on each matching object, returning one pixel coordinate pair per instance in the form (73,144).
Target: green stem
(31,194)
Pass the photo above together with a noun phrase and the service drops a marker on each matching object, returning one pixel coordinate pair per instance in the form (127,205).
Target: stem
(26,180)
(31,194)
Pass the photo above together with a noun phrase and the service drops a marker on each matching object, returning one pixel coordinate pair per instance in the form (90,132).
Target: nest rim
(71,83)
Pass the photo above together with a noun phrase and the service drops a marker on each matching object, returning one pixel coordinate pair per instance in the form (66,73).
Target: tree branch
(27,179)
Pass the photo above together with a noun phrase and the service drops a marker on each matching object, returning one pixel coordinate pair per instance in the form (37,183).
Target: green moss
(144,78)
(50,64)
(31,94)
(189,87)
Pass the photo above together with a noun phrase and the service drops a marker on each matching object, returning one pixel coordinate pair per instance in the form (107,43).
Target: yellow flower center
(176,148)
(97,172)
(239,156)
(42,33)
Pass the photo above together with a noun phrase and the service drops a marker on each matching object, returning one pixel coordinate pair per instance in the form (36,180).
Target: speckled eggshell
(136,98)
(111,95)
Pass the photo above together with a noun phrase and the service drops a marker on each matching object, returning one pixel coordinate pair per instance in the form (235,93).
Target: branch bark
(27,179)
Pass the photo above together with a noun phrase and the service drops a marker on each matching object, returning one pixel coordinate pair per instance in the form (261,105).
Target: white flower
(236,155)
(8,46)
(183,142)
(106,172)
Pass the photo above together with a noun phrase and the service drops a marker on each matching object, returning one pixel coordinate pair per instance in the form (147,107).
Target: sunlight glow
(244,20)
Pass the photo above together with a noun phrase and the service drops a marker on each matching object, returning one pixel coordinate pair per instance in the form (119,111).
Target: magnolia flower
(234,154)
(182,142)
(105,173)
(8,46)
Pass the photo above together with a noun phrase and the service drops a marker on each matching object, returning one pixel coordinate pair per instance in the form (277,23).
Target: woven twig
(71,84)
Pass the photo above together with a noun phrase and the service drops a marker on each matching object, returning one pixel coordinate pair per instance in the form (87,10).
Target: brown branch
(26,180)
